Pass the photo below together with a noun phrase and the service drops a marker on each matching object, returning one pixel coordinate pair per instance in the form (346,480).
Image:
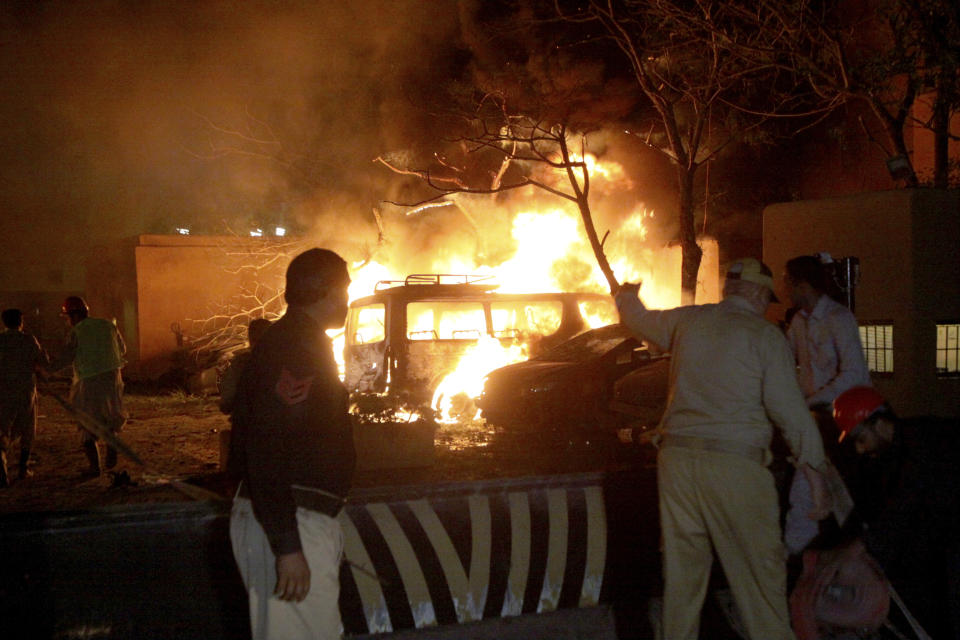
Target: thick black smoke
(140,116)
(122,118)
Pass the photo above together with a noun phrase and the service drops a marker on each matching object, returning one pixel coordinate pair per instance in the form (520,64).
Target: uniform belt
(311,498)
(329,504)
(757,454)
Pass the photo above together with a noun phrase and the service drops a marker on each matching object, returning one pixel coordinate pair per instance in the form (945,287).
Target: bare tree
(933,30)
(257,270)
(689,61)
(884,54)
(499,151)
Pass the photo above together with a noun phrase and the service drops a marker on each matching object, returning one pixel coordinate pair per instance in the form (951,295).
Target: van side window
(598,313)
(445,321)
(515,319)
(366,324)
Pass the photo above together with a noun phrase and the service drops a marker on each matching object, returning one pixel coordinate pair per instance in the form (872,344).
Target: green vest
(98,347)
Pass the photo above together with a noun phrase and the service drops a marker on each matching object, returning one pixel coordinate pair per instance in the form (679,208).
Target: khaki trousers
(723,501)
(317,617)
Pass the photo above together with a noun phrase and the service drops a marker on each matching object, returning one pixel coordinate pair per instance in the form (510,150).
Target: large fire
(552,254)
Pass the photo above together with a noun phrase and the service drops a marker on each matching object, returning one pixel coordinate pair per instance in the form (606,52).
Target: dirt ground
(178,436)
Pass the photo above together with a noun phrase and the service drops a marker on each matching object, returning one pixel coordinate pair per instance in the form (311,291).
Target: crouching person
(910,533)
(915,532)
(292,451)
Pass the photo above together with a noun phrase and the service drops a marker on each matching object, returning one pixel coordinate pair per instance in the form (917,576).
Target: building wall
(839,158)
(168,291)
(920,140)
(111,289)
(907,242)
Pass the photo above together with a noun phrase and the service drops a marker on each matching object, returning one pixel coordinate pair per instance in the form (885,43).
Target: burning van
(410,335)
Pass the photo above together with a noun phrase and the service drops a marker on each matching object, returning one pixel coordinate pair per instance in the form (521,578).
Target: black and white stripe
(462,553)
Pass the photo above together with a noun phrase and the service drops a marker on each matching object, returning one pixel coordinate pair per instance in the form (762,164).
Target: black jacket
(276,445)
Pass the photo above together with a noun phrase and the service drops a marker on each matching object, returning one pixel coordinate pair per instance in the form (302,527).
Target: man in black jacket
(292,449)
(913,524)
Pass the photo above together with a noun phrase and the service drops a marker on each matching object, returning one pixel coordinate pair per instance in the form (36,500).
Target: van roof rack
(438,279)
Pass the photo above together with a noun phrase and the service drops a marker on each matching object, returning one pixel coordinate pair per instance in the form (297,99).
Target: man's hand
(628,291)
(293,577)
(818,492)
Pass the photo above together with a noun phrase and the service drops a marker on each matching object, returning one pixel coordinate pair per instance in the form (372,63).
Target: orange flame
(453,398)
(552,254)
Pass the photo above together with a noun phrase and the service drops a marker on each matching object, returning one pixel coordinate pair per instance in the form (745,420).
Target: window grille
(877,342)
(948,348)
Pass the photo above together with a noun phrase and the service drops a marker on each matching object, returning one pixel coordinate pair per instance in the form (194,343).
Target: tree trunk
(591,230)
(893,127)
(941,137)
(689,249)
(582,192)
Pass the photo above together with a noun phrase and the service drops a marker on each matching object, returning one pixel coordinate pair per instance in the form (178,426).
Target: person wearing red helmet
(95,348)
(862,414)
(913,530)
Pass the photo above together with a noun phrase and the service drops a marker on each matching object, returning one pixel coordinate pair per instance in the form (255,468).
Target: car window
(520,318)
(445,321)
(366,324)
(587,345)
(597,313)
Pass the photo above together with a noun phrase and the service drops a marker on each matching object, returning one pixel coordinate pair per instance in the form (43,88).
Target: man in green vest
(95,348)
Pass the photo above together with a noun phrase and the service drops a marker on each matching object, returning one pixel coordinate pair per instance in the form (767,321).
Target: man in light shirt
(732,378)
(825,340)
(823,335)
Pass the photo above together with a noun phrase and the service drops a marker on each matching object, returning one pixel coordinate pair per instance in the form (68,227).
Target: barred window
(948,338)
(877,342)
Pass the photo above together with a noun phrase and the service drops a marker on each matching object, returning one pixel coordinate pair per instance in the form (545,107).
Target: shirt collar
(738,303)
(822,307)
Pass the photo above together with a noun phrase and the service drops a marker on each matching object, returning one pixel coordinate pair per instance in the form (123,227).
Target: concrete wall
(167,291)
(908,242)
(111,289)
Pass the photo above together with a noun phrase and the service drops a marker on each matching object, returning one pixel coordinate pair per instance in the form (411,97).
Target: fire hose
(107,435)
(844,589)
(100,431)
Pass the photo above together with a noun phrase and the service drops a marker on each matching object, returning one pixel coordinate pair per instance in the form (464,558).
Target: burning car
(410,335)
(573,386)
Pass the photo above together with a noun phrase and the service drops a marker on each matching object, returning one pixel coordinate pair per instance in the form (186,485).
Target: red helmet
(855,405)
(73,304)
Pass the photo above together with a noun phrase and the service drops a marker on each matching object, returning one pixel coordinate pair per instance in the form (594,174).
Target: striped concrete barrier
(462,553)
(420,559)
